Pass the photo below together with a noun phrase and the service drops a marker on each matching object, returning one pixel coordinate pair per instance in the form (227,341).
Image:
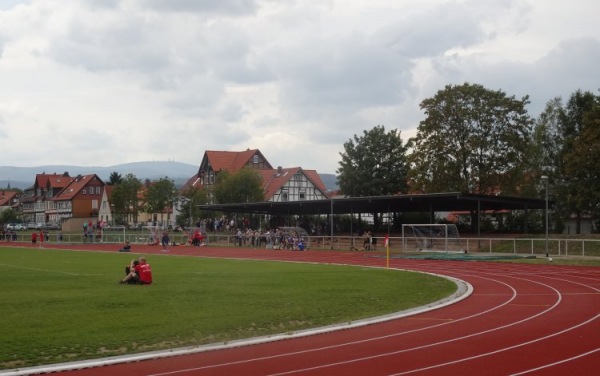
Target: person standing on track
(165,241)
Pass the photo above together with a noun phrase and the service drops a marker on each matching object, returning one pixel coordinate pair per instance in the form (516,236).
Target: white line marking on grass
(41,270)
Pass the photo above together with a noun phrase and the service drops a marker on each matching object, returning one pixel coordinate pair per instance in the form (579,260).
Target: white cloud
(105,82)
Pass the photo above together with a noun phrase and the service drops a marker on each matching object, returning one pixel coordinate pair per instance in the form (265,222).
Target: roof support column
(331,223)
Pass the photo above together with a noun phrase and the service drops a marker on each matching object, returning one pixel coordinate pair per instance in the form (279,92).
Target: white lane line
(559,299)
(556,363)
(379,338)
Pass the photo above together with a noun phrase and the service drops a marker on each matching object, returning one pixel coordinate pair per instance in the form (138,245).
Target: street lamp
(545,179)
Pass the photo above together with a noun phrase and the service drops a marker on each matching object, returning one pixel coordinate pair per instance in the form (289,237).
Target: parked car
(20,226)
(9,226)
(30,226)
(40,225)
(51,226)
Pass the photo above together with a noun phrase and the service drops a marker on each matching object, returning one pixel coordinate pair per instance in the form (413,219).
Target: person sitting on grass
(126,247)
(138,272)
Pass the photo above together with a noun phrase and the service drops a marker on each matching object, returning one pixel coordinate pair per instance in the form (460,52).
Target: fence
(517,246)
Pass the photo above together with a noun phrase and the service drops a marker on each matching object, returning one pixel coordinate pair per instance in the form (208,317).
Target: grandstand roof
(435,202)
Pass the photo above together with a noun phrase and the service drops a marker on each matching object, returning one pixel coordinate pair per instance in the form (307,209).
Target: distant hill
(330,181)
(23,177)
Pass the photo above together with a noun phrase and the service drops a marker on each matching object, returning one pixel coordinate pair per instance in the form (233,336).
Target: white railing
(501,245)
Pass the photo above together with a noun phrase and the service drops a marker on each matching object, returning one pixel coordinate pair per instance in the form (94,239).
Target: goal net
(294,238)
(431,237)
(152,234)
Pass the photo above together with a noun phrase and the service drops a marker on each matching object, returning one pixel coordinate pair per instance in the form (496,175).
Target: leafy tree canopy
(189,211)
(373,164)
(243,186)
(159,195)
(125,195)
(114,178)
(472,140)
(582,165)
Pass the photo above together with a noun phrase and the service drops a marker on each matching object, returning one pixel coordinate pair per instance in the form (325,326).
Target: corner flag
(386,244)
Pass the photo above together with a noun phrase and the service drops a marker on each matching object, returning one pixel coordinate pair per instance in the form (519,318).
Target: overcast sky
(104,82)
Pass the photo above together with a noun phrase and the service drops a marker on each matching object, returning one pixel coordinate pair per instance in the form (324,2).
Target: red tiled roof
(315,178)
(76,185)
(52,180)
(193,182)
(6,197)
(231,161)
(108,189)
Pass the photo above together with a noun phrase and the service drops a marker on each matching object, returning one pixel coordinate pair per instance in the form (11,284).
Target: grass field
(63,305)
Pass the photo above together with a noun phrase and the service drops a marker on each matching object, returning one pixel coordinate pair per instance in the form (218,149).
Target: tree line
(477,140)
(472,140)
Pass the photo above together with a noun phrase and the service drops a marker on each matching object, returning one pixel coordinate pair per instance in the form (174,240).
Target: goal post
(431,238)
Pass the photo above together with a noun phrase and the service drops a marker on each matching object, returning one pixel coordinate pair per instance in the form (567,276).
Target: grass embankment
(61,305)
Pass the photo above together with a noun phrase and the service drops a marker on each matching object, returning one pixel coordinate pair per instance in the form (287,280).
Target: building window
(84,191)
(302,194)
(94,204)
(97,190)
(284,195)
(255,159)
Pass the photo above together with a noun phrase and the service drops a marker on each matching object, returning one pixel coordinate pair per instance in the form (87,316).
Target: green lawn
(63,305)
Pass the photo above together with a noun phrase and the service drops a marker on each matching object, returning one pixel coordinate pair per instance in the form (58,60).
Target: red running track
(520,320)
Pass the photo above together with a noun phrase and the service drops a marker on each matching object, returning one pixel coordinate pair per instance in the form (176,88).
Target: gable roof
(54,181)
(75,186)
(108,189)
(273,180)
(6,197)
(231,161)
(193,182)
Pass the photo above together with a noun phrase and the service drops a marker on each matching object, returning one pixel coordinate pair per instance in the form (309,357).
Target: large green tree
(472,140)
(114,178)
(159,197)
(125,199)
(373,164)
(580,181)
(8,215)
(242,186)
(189,212)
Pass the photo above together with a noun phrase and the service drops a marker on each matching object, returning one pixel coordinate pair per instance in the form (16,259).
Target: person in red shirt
(138,272)
(34,237)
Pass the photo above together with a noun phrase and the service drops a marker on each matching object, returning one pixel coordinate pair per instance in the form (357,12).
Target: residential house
(81,198)
(36,202)
(292,184)
(8,199)
(106,210)
(215,162)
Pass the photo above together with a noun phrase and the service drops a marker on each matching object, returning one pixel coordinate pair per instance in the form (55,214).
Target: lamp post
(112,214)
(545,179)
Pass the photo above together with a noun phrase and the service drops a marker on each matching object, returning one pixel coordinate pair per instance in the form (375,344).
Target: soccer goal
(431,238)
(152,235)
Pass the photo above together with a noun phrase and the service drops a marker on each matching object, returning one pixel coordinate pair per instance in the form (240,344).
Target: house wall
(298,188)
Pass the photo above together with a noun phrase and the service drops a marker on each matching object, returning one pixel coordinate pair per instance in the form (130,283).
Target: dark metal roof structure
(435,202)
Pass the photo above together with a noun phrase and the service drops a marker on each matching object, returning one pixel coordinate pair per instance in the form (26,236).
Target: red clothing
(144,271)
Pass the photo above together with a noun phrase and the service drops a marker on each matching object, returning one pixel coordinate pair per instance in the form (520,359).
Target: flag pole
(387,250)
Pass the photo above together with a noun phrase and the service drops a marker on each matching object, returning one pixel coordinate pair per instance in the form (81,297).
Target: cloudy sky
(103,82)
